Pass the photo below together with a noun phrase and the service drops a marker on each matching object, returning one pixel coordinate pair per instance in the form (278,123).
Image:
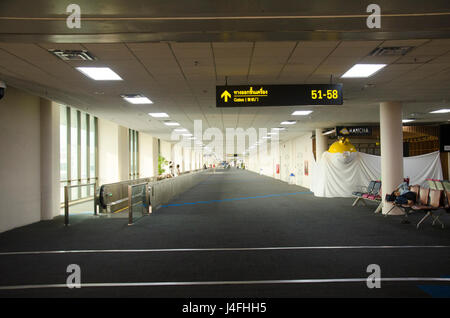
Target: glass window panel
(136,154)
(79,152)
(92,148)
(74,152)
(63,143)
(63,147)
(83,148)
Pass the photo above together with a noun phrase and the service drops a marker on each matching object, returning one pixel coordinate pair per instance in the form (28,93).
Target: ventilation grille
(73,55)
(391,51)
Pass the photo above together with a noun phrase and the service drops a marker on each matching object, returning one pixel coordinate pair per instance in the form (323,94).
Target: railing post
(130,209)
(147,198)
(95,198)
(66,205)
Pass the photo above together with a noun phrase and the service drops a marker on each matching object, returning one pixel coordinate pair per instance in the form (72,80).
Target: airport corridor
(235,234)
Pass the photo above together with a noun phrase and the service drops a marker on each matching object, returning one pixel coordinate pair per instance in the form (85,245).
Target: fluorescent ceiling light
(187,135)
(172,124)
(363,70)
(100,73)
(158,115)
(441,111)
(287,122)
(407,120)
(302,112)
(329,132)
(136,99)
(279,128)
(180,129)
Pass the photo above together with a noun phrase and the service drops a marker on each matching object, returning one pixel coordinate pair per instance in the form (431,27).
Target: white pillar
(391,140)
(155,155)
(123,153)
(321,144)
(50,195)
(148,156)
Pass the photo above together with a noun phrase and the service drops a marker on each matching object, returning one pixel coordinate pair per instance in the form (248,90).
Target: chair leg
(393,207)
(436,219)
(405,217)
(379,207)
(424,218)
(356,201)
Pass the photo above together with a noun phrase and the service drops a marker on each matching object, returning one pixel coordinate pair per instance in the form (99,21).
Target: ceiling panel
(181,77)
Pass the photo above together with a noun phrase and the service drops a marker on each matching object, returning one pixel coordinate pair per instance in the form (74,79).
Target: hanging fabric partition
(339,174)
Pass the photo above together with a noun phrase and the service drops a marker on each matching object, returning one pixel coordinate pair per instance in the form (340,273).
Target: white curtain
(336,175)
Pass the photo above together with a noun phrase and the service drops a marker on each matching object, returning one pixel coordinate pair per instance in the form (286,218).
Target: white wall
(166,150)
(20,159)
(291,156)
(50,159)
(108,151)
(178,157)
(148,156)
(187,159)
(302,156)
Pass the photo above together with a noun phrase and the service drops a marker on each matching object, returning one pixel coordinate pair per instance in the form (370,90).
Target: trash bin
(292,178)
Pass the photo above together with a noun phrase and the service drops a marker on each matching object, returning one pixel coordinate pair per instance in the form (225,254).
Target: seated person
(403,195)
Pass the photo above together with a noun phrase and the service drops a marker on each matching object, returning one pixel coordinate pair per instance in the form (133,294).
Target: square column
(321,144)
(391,142)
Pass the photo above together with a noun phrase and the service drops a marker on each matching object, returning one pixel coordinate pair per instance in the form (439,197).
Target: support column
(391,140)
(155,156)
(50,195)
(321,144)
(123,153)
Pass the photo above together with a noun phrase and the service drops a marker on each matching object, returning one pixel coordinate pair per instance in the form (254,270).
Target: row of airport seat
(429,200)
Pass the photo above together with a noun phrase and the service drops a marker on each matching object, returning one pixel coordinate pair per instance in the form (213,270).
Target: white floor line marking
(213,283)
(226,249)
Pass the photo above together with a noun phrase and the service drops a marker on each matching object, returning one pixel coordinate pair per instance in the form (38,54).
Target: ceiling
(180,76)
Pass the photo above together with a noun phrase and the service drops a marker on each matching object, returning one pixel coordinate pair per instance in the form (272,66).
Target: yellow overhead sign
(278,95)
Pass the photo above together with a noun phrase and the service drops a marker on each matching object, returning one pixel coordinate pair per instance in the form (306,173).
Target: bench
(407,208)
(370,193)
(428,200)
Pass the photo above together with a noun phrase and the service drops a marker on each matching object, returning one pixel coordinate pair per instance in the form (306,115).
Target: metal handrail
(115,194)
(66,199)
(130,200)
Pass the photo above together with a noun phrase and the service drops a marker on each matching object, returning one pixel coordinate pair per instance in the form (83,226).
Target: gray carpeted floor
(232,209)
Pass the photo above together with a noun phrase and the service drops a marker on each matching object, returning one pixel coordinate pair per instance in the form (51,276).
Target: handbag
(390,197)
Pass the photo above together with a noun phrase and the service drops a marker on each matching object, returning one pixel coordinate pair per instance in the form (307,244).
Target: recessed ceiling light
(302,112)
(180,129)
(172,124)
(407,120)
(441,111)
(279,128)
(136,99)
(363,70)
(158,115)
(287,122)
(100,73)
